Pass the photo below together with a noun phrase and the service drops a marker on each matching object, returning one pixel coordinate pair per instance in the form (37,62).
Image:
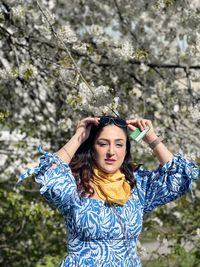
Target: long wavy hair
(82,162)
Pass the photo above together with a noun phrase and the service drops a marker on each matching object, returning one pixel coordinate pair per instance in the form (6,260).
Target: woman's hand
(84,126)
(142,124)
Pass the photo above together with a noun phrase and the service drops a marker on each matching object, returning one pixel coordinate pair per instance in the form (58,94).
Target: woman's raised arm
(82,132)
(160,150)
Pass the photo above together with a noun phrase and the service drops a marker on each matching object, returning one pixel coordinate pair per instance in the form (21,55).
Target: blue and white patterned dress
(97,236)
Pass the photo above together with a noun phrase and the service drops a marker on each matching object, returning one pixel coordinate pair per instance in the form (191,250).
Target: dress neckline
(101,201)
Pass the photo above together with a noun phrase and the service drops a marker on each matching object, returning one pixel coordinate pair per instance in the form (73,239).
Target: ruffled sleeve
(166,183)
(57,184)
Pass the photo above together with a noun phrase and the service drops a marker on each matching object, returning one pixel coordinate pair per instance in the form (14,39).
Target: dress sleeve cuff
(179,164)
(46,161)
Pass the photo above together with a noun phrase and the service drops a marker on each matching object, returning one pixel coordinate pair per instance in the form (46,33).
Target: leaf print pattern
(96,236)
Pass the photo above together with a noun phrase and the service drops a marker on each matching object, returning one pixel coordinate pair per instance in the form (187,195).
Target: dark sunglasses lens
(119,122)
(104,120)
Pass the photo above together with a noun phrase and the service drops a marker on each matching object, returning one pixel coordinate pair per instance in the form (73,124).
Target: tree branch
(164,66)
(187,72)
(123,22)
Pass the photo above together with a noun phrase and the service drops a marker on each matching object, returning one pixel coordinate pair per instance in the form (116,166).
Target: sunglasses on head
(105,120)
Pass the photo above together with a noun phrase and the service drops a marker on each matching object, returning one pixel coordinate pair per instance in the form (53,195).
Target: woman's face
(110,149)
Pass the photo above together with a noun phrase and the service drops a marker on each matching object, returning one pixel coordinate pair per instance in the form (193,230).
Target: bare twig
(187,72)
(123,22)
(67,50)
(165,66)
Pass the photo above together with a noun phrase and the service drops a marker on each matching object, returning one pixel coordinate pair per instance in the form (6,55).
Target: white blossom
(28,71)
(124,50)
(48,17)
(96,58)
(18,12)
(102,50)
(65,124)
(67,35)
(177,214)
(144,67)
(158,221)
(198,232)
(136,92)
(96,30)
(50,107)
(192,155)
(176,108)
(141,249)
(85,93)
(81,47)
(115,103)
(5,75)
(195,112)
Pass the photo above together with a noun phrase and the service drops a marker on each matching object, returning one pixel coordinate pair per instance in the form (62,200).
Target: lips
(110,160)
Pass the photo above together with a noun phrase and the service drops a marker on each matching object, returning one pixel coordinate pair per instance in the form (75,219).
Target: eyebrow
(104,139)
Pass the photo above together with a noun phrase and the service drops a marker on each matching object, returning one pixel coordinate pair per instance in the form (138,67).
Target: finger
(89,128)
(96,121)
(149,123)
(140,124)
(93,121)
(131,127)
(89,120)
(144,124)
(132,121)
(137,123)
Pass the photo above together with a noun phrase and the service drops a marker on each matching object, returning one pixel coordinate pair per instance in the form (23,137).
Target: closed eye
(103,144)
(119,145)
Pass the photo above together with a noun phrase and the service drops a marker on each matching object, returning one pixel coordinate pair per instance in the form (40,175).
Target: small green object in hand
(137,134)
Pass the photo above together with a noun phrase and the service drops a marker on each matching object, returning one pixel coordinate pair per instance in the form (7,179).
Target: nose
(111,150)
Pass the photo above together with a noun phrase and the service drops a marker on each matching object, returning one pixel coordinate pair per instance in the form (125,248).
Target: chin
(109,170)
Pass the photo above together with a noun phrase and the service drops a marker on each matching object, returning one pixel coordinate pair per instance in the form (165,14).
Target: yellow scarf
(111,187)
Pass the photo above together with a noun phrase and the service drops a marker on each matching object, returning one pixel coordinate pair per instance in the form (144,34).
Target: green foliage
(141,54)
(65,61)
(30,229)
(168,3)
(28,73)
(74,101)
(3,116)
(147,52)
(179,258)
(49,261)
(178,224)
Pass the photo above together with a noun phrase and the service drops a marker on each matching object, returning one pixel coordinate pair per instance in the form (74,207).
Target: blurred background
(63,60)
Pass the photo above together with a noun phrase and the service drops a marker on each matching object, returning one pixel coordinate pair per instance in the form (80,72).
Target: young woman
(102,195)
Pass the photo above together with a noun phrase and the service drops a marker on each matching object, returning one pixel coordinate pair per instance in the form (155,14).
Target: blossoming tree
(62,60)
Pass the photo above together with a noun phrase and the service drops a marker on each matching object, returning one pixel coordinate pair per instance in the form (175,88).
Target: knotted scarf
(111,187)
